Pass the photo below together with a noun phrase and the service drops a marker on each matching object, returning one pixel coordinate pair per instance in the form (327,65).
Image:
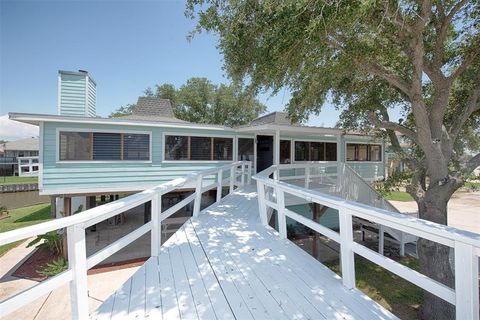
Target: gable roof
(276,117)
(29,144)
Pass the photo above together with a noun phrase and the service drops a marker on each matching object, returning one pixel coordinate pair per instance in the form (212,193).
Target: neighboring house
(12,150)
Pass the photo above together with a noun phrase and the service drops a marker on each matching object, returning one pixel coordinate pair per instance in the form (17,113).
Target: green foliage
(52,241)
(201,101)
(53,268)
(23,217)
(3,208)
(17,180)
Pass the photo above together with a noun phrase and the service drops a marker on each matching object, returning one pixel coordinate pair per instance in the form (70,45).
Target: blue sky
(127,46)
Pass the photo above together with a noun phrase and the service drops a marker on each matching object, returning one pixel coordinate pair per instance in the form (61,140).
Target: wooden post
(156,208)
(307,176)
(198,197)
(466,282)
(249,172)
(53,206)
(381,239)
(282,220)
(347,258)
(219,184)
(232,178)
(261,203)
(77,262)
(67,211)
(243,175)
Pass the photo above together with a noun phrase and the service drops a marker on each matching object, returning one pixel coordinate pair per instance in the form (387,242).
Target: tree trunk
(434,257)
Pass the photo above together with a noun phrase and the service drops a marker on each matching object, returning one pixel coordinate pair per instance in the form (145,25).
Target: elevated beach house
(233,193)
(83,156)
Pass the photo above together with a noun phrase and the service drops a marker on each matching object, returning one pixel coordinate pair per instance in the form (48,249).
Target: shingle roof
(152,106)
(29,144)
(280,118)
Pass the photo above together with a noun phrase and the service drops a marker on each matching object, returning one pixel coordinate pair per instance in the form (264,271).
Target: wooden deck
(225,265)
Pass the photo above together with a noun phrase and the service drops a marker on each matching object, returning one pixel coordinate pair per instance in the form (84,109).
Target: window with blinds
(198,148)
(315,151)
(364,152)
(103,146)
(245,149)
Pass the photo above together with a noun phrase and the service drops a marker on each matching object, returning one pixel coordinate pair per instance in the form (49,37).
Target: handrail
(466,244)
(79,263)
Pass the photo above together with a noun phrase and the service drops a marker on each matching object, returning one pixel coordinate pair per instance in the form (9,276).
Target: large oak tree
(420,58)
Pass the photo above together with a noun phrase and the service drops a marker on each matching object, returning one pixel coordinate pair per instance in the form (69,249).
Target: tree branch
(393,126)
(473,163)
(473,105)
(394,80)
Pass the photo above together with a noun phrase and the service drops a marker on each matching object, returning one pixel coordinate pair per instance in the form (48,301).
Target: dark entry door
(264,152)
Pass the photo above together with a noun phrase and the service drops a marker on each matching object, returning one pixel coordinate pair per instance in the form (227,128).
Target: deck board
(224,264)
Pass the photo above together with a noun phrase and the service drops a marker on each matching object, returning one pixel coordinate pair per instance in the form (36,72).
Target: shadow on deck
(225,265)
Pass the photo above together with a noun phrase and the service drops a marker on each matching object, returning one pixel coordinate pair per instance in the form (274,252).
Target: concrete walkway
(56,304)
(463,210)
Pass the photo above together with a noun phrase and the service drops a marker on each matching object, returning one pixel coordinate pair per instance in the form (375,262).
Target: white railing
(79,263)
(27,166)
(466,244)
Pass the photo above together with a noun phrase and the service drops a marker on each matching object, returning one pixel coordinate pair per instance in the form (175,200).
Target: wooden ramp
(225,265)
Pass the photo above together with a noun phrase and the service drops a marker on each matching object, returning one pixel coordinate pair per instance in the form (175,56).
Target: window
(302,151)
(103,146)
(364,152)
(198,148)
(136,147)
(245,149)
(107,146)
(176,147)
(285,151)
(222,149)
(330,151)
(75,146)
(315,151)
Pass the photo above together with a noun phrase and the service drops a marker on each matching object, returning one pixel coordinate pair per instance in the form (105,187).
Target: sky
(126,46)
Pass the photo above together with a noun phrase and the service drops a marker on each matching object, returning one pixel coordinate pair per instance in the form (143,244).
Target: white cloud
(13,130)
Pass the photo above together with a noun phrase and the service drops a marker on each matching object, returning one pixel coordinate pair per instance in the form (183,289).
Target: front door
(264,152)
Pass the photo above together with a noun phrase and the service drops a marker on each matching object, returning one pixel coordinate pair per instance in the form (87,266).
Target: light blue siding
(72,95)
(63,177)
(91,99)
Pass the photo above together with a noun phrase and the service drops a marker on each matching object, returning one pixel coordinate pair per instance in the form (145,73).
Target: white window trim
(313,140)
(164,134)
(57,147)
(366,161)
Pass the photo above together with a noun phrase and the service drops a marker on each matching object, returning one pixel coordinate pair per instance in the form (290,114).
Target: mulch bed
(40,257)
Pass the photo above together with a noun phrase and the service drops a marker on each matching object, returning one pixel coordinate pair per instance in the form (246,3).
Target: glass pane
(331,151)
(245,149)
(350,152)
(223,148)
(317,151)
(201,148)
(75,146)
(107,146)
(301,151)
(176,148)
(375,152)
(136,146)
(285,151)
(362,152)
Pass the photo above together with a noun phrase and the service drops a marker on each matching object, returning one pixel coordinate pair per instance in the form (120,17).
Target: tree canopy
(200,101)
(374,59)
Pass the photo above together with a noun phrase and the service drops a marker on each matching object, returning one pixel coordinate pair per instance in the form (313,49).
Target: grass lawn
(23,217)
(394,293)
(399,196)
(472,185)
(17,180)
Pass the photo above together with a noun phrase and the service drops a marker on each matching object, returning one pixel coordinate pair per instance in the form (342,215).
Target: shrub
(52,241)
(53,268)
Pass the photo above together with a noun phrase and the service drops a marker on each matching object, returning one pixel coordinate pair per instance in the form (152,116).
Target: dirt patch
(37,261)
(40,257)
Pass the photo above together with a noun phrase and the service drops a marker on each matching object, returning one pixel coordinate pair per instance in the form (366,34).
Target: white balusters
(156,237)
(347,259)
